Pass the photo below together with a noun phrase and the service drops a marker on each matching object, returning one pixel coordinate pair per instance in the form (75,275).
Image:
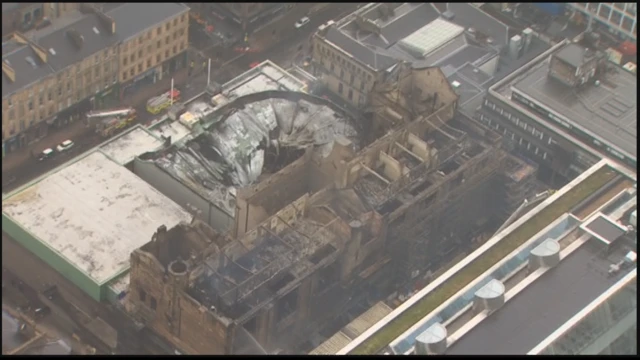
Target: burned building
(322,208)
(209,295)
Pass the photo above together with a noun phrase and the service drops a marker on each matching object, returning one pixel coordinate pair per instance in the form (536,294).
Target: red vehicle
(254,64)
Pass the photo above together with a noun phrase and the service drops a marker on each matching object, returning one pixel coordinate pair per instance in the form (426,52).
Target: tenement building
(27,16)
(84,60)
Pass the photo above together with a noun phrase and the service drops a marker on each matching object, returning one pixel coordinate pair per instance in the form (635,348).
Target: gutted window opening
(458,180)
(449,167)
(278,285)
(420,188)
(276,158)
(390,206)
(287,305)
(252,326)
(366,238)
(327,277)
(143,295)
(429,200)
(322,253)
(474,150)
(153,303)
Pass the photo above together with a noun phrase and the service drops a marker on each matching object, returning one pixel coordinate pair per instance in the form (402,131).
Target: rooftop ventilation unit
(489,297)
(448,15)
(527,34)
(31,61)
(515,44)
(633,218)
(433,341)
(547,254)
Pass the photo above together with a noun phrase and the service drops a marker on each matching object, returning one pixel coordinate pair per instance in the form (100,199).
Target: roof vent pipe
(433,341)
(547,254)
(489,297)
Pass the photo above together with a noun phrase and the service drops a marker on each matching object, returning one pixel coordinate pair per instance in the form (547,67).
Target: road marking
(232,60)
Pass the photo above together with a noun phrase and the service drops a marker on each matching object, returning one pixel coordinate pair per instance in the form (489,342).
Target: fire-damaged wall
(313,235)
(406,93)
(257,202)
(427,180)
(328,253)
(160,273)
(268,289)
(179,192)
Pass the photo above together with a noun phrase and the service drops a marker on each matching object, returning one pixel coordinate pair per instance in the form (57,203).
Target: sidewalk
(23,156)
(79,132)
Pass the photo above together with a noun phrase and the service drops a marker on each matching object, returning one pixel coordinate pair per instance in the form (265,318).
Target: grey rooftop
(130,19)
(607,112)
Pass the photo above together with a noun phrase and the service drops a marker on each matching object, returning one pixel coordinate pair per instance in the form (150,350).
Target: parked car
(66,145)
(45,154)
(302,22)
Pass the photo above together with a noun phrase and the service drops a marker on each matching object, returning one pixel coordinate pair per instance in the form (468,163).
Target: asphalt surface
(291,44)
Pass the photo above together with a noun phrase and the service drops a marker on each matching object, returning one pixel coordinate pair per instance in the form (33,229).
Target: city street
(289,44)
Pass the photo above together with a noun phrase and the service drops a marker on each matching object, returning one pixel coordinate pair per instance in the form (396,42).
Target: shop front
(10,145)
(34,133)
(146,78)
(73,113)
(151,76)
(107,98)
(174,64)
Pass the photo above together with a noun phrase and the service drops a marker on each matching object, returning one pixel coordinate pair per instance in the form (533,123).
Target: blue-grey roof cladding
(409,23)
(371,50)
(130,19)
(382,52)
(371,57)
(67,53)
(469,16)
(25,72)
(541,308)
(572,54)
(133,18)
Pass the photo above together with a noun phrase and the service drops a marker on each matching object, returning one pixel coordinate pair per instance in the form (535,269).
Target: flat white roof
(264,77)
(431,36)
(126,147)
(94,213)
(175,129)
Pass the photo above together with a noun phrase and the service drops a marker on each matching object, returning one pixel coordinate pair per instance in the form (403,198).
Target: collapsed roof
(251,138)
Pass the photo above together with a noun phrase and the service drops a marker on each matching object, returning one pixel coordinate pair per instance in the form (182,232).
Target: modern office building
(618,18)
(566,109)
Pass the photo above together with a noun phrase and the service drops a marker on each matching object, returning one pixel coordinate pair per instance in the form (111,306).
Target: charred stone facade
(162,271)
